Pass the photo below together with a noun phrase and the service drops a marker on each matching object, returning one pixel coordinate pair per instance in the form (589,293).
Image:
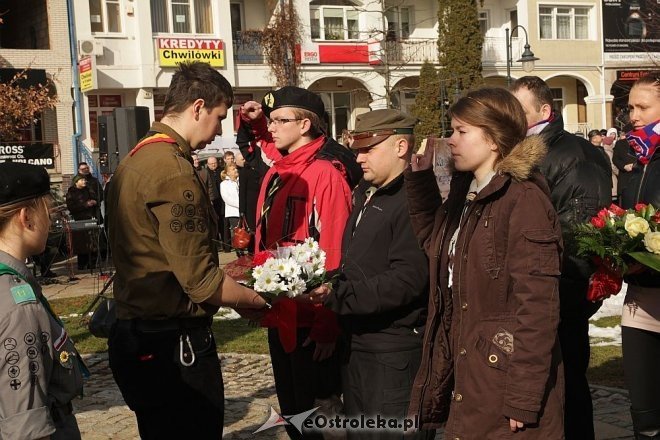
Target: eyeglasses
(279,122)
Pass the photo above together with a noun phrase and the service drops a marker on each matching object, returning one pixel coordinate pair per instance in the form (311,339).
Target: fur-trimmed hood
(523,159)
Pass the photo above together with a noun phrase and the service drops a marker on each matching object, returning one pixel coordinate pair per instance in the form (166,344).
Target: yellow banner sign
(172,51)
(86,71)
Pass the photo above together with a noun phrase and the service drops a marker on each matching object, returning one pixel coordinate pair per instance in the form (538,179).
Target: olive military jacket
(39,366)
(161,231)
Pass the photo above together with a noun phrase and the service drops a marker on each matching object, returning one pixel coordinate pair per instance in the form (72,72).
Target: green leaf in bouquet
(647,259)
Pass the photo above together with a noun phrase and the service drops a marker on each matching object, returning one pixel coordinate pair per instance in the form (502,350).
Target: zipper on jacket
(430,336)
(641,183)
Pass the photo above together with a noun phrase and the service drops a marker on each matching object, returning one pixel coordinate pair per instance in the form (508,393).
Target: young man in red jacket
(302,195)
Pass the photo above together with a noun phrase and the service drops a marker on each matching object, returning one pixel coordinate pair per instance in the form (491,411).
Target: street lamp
(527,58)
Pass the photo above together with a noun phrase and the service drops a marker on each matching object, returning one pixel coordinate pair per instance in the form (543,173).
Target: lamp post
(527,58)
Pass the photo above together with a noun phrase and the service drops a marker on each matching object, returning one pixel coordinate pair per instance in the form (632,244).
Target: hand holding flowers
(290,271)
(619,241)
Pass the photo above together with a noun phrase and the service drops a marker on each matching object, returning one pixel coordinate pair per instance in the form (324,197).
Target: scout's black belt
(163,325)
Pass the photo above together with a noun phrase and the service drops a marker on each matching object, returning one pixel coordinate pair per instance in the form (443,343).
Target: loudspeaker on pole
(108,153)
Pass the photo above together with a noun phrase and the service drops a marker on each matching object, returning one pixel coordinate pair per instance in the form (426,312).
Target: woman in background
(82,205)
(640,321)
(229,194)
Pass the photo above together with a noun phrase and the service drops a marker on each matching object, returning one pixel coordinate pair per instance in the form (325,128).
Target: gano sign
(172,51)
(37,153)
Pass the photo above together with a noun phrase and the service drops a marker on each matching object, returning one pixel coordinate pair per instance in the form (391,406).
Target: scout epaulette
(157,137)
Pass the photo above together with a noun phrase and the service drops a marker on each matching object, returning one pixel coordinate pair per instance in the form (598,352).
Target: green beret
(21,181)
(374,127)
(290,96)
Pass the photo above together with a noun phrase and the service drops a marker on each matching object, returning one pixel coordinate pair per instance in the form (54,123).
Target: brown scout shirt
(161,226)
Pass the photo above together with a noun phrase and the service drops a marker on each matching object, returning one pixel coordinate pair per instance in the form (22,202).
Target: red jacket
(313,198)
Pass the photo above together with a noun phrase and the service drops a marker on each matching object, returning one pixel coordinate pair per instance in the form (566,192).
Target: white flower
(311,244)
(268,282)
(635,225)
(297,288)
(257,272)
(652,242)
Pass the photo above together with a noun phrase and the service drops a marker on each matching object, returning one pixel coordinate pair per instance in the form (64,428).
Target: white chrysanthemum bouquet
(289,271)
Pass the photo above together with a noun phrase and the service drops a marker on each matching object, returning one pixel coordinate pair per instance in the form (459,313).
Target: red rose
(656,217)
(603,284)
(640,206)
(261,257)
(598,222)
(617,210)
(604,214)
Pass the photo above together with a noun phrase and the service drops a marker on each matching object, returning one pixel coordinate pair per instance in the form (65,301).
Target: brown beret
(374,127)
(21,181)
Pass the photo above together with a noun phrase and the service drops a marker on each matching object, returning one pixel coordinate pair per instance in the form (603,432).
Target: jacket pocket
(491,355)
(543,251)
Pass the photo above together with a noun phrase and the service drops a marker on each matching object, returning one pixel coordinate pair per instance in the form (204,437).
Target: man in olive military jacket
(168,283)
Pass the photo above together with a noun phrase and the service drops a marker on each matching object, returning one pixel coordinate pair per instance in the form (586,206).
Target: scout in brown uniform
(40,369)
(168,284)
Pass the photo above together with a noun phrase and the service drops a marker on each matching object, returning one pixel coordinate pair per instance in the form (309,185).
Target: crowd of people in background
(468,313)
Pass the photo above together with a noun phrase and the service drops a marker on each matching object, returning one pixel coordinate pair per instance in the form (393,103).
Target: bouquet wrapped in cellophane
(620,242)
(288,271)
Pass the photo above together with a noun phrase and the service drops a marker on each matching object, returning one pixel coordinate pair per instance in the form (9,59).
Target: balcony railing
(494,49)
(248,48)
(413,51)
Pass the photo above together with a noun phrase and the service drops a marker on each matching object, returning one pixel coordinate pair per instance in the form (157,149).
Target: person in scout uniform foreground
(168,283)
(40,369)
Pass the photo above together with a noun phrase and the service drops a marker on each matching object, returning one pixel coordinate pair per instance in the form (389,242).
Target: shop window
(557,100)
(100,105)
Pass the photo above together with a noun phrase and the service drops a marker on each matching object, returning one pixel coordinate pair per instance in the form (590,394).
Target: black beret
(290,96)
(21,181)
(374,127)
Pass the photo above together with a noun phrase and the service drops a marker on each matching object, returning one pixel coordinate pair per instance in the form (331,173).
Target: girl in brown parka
(491,366)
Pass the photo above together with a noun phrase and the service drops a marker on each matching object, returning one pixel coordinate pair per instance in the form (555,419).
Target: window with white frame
(398,22)
(484,21)
(334,22)
(105,16)
(564,22)
(181,16)
(557,100)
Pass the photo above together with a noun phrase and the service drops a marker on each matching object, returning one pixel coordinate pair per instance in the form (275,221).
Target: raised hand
(251,110)
(423,160)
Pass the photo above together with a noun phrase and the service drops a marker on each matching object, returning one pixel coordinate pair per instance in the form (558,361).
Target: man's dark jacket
(580,182)
(382,293)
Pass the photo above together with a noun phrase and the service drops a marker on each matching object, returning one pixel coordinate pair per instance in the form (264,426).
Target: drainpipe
(77,98)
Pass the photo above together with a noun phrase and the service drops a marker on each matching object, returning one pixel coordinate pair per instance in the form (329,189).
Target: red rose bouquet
(620,242)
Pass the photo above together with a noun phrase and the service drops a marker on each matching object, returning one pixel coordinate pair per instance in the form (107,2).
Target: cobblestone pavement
(249,394)
(249,388)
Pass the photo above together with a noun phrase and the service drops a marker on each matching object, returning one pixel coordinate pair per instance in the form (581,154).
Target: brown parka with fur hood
(491,350)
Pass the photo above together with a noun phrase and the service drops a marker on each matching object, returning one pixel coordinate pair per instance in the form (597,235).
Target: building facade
(35,34)
(356,54)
